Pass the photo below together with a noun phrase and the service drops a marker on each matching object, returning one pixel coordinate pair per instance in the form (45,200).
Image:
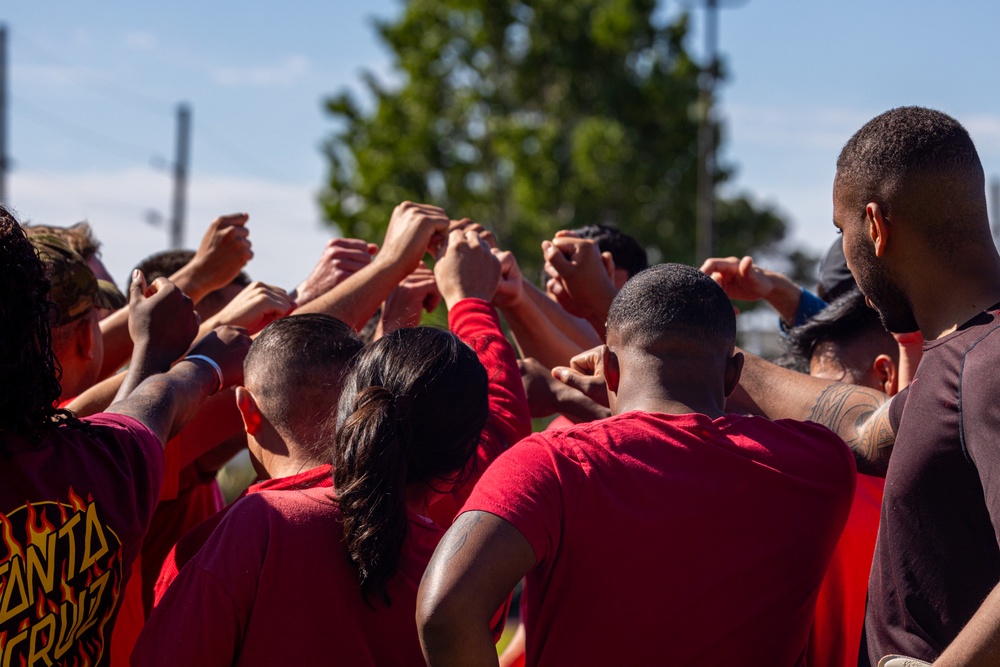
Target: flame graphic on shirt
(60,580)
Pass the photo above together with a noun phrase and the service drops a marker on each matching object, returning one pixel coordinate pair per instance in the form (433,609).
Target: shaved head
(295,369)
(672,303)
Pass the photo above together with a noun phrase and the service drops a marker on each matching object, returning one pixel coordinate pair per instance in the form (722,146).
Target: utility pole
(705,208)
(705,204)
(180,174)
(3,114)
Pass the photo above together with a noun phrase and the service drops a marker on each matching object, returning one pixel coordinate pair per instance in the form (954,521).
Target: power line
(107,87)
(77,132)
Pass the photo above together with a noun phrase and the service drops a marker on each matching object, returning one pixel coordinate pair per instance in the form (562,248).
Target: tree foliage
(534,118)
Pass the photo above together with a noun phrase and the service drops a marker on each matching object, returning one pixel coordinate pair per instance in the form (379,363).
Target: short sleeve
(979,414)
(144,456)
(527,486)
(202,618)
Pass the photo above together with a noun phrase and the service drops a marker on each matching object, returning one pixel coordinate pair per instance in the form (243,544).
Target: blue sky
(93,89)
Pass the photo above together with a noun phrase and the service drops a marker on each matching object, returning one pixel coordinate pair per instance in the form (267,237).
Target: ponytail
(370,475)
(410,416)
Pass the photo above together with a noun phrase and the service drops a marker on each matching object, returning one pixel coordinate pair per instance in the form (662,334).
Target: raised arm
(224,250)
(860,416)
(413,230)
(541,328)
(582,275)
(162,324)
(467,275)
(744,281)
(340,259)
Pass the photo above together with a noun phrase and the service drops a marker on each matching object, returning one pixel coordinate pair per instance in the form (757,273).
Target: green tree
(534,118)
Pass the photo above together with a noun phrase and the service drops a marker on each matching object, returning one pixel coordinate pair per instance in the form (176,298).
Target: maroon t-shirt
(673,539)
(937,556)
(73,510)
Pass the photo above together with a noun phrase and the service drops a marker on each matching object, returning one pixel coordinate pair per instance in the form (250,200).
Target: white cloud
(284,220)
(140,40)
(284,73)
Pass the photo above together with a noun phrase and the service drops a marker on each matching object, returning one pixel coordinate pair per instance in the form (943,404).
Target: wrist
(188,281)
(150,359)
(454,298)
(205,362)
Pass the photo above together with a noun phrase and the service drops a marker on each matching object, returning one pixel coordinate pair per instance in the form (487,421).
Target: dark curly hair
(411,413)
(30,389)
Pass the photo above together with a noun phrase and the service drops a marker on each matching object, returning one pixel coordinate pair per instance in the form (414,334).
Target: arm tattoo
(463,526)
(861,417)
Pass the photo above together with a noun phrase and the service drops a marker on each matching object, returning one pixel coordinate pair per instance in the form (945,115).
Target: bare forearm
(460,645)
(860,416)
(167,401)
(978,644)
(98,397)
(574,328)
(117,342)
(784,297)
(538,337)
(355,299)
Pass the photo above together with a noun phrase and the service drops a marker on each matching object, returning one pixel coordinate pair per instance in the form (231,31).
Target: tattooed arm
(857,414)
(474,568)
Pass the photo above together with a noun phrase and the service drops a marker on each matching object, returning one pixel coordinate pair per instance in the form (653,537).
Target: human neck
(943,300)
(671,385)
(285,460)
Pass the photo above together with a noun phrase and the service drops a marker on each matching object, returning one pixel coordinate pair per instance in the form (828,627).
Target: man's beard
(890,302)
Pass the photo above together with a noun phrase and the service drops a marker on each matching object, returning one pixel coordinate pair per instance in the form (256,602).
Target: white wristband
(211,362)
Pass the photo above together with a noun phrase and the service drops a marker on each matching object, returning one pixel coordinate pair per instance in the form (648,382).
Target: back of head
(919,162)
(295,369)
(627,252)
(31,383)
(672,304)
(79,237)
(846,333)
(411,414)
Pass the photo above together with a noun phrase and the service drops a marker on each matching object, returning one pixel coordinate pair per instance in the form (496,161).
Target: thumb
(137,289)
(572,378)
(746,264)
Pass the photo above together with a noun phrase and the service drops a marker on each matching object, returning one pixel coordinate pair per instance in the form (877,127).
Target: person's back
(334,571)
(679,539)
(671,532)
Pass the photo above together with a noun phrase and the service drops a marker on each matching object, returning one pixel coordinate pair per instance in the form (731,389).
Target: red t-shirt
(840,608)
(73,510)
(194,540)
(274,585)
(673,539)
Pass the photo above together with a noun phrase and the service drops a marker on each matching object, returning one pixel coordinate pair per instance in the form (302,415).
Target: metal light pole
(705,205)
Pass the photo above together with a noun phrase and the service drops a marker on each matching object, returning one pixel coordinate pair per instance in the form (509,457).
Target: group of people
(691,504)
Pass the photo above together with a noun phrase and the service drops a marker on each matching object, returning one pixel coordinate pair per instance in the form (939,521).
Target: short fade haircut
(625,250)
(845,323)
(296,369)
(672,301)
(900,148)
(79,237)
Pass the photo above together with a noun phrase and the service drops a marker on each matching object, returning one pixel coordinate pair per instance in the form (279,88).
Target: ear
(249,410)
(886,374)
(878,228)
(612,369)
(85,343)
(734,370)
